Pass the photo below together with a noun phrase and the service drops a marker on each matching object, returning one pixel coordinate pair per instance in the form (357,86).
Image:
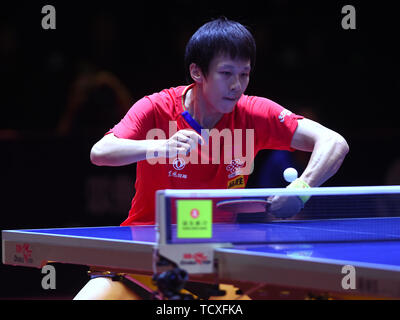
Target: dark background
(305,59)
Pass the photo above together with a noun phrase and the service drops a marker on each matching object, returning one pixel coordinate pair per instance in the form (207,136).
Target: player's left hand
(284,206)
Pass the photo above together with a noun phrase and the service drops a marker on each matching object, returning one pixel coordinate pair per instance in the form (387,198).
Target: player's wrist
(155,149)
(300,184)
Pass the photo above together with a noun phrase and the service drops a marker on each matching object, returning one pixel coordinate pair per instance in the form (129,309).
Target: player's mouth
(231,99)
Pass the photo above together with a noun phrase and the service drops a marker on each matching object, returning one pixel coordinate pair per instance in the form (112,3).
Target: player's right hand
(182,142)
(284,206)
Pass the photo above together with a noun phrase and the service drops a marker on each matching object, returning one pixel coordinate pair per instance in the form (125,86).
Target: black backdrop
(349,79)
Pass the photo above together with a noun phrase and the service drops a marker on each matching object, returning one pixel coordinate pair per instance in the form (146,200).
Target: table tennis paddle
(245,205)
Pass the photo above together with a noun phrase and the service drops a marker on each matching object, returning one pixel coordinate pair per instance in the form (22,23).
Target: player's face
(226,81)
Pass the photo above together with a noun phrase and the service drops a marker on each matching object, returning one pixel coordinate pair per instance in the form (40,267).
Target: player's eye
(226,73)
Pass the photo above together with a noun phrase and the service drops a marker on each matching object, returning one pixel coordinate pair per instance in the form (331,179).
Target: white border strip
(262,192)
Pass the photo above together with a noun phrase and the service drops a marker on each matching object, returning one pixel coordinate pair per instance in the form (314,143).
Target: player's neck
(200,110)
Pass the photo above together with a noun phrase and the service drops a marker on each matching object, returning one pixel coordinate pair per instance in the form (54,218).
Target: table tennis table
(290,256)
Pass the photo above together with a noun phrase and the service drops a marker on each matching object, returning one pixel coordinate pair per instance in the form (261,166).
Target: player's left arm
(328,151)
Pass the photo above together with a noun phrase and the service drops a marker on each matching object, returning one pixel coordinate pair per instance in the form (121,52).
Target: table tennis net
(324,218)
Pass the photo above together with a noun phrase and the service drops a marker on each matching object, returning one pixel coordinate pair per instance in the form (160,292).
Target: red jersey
(255,123)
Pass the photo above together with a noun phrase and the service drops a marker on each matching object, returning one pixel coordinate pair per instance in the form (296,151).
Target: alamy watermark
(233,144)
(349,280)
(349,19)
(49,20)
(49,280)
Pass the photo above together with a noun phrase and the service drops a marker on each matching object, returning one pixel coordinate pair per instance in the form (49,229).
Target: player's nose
(236,85)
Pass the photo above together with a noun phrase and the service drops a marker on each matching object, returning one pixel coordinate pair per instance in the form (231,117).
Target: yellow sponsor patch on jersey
(237,182)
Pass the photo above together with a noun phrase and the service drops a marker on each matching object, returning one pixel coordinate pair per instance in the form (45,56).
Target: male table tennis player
(219,58)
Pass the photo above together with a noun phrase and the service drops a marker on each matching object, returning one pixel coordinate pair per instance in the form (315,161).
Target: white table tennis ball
(290,174)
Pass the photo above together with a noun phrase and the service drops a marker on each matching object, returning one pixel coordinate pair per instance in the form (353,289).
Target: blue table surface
(369,240)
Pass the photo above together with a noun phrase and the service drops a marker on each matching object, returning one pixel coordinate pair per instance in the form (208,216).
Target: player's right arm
(114,151)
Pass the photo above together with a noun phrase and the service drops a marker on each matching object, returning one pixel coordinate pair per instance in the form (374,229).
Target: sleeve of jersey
(137,122)
(274,126)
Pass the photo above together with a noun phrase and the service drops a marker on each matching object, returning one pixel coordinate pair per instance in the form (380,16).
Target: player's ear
(195,73)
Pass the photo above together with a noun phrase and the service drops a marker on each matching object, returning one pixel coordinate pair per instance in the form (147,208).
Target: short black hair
(215,37)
